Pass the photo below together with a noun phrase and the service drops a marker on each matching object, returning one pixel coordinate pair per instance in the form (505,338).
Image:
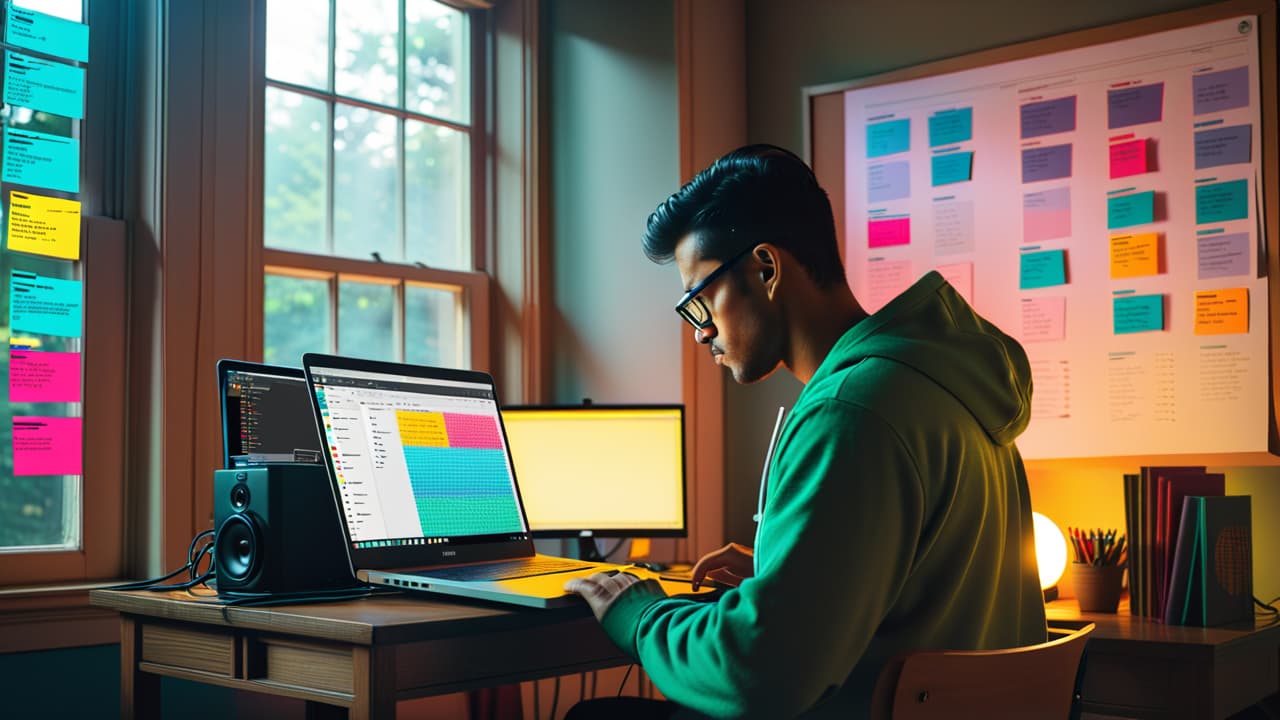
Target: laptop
(425,485)
(266,415)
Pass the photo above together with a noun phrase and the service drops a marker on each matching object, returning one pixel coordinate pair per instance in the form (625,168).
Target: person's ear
(767,257)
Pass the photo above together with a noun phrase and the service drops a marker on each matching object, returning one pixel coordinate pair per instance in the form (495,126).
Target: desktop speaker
(278,531)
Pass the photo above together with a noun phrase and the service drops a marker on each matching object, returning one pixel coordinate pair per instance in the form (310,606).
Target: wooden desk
(1135,667)
(358,655)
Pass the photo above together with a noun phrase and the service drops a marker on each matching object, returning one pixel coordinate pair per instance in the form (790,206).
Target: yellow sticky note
(639,548)
(1135,255)
(44,225)
(1222,312)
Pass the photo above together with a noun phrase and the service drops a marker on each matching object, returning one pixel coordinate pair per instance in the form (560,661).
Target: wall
(825,41)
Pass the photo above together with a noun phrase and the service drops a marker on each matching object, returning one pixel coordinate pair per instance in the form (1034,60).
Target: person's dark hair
(755,194)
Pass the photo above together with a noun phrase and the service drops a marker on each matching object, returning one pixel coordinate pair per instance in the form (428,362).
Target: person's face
(743,330)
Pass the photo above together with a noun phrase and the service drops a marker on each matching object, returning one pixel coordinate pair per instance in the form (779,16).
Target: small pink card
(1129,158)
(47,445)
(36,376)
(892,231)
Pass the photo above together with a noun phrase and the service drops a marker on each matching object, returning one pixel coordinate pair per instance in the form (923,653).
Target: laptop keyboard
(508,570)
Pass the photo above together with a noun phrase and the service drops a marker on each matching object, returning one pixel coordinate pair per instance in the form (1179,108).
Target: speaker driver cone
(237,550)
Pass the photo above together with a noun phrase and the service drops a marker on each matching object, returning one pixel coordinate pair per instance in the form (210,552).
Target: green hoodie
(897,517)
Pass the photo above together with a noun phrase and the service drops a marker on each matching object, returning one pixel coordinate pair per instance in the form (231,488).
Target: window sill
(54,616)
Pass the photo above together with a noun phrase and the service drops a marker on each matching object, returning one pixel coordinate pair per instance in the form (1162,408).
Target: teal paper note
(950,127)
(1129,210)
(44,85)
(1042,269)
(888,138)
(46,33)
(952,168)
(40,160)
(44,305)
(1137,313)
(1221,202)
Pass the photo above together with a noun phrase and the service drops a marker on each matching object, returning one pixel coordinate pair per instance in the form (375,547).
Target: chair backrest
(1036,681)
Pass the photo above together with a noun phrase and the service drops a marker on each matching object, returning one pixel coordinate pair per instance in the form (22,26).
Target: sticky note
(1129,158)
(949,127)
(1046,163)
(1222,255)
(44,85)
(892,231)
(44,376)
(1043,268)
(1222,312)
(1046,215)
(45,305)
(885,279)
(1135,105)
(46,33)
(1223,146)
(889,181)
(951,168)
(1137,313)
(952,227)
(1047,117)
(960,276)
(41,160)
(44,225)
(889,137)
(1221,202)
(1129,210)
(47,445)
(1222,90)
(1135,255)
(1044,319)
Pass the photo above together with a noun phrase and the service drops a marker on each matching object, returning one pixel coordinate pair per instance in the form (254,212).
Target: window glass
(366,320)
(436,208)
(365,170)
(366,62)
(298,35)
(295,172)
(436,48)
(296,318)
(432,326)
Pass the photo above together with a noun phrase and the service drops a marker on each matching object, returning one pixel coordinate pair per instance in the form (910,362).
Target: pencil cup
(1097,586)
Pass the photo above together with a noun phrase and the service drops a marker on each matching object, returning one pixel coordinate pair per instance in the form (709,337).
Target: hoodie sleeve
(840,529)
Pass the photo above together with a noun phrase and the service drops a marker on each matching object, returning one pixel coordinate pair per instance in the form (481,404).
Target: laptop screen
(417,460)
(266,415)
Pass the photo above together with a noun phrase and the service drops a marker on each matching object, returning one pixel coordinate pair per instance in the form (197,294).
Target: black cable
(582,686)
(1266,608)
(181,586)
(188,568)
(537,704)
(624,679)
(555,697)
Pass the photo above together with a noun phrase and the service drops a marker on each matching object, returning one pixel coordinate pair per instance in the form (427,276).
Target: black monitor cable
(193,561)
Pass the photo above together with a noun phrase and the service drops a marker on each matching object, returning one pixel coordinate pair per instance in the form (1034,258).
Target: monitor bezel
(605,532)
(225,367)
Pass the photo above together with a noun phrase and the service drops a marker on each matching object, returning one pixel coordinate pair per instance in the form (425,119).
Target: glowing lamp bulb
(1051,550)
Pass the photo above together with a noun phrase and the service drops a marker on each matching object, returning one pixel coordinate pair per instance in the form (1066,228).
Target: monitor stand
(587,549)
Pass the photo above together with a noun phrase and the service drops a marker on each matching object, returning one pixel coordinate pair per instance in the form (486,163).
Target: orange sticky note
(1135,255)
(1222,312)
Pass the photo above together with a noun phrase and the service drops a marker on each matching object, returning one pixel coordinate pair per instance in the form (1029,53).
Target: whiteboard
(1102,205)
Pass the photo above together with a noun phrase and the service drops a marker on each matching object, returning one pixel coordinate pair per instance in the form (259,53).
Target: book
(1152,595)
(1133,531)
(1174,490)
(1212,578)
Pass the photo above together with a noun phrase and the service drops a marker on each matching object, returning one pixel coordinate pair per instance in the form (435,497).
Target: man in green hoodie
(896,513)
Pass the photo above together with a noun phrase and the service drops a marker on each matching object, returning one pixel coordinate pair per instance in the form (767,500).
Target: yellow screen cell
(422,429)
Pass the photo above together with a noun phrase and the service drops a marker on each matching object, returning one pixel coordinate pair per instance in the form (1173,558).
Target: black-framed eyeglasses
(692,307)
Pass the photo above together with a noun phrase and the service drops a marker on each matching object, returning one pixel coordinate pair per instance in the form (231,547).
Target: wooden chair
(1036,681)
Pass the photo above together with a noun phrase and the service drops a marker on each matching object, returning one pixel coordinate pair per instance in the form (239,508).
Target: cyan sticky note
(1044,268)
(952,168)
(1129,210)
(1223,201)
(45,305)
(889,137)
(950,126)
(46,33)
(41,160)
(1137,313)
(44,85)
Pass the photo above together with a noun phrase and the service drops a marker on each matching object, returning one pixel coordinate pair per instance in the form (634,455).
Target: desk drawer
(300,664)
(189,649)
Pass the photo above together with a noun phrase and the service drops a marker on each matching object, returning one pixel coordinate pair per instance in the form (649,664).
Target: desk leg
(139,691)
(375,690)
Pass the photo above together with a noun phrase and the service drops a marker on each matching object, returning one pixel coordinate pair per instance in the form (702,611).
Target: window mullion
(335,284)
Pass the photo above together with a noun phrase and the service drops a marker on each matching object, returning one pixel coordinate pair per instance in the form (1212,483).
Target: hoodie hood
(931,329)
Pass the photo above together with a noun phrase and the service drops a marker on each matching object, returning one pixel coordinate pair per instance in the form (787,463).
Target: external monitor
(600,470)
(266,415)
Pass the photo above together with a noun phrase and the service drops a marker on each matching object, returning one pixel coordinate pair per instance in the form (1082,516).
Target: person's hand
(730,565)
(601,589)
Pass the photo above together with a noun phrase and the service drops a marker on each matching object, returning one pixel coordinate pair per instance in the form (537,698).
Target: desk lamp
(1051,554)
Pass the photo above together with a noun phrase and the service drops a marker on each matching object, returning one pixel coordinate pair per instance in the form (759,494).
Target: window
(368,151)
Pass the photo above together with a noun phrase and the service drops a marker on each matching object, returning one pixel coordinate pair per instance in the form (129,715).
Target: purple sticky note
(1046,215)
(1046,163)
(1047,117)
(889,181)
(1223,146)
(47,445)
(44,376)
(1222,90)
(1222,255)
(1135,105)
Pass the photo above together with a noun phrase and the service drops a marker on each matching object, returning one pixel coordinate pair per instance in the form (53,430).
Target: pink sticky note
(47,445)
(960,275)
(883,233)
(1129,158)
(44,376)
